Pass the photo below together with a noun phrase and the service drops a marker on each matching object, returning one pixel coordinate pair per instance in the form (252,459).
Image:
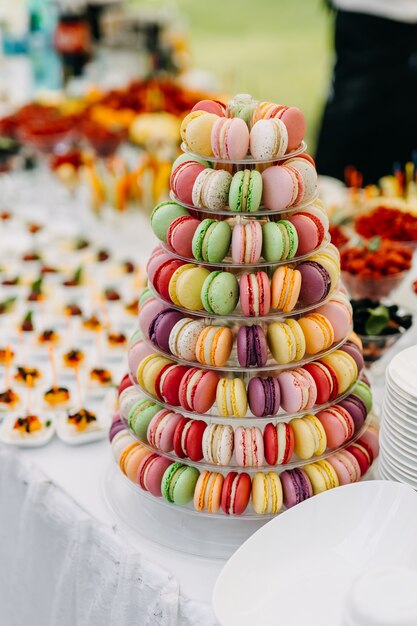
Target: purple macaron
(315,282)
(161,326)
(355,352)
(251,346)
(356,407)
(116,426)
(264,396)
(296,486)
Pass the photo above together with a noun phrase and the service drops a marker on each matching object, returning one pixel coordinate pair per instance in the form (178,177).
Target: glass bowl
(375,346)
(375,289)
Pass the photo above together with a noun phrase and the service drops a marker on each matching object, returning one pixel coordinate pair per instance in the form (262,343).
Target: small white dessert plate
(39,438)
(68,435)
(301,565)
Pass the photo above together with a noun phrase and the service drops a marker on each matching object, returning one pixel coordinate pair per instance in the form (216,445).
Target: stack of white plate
(398,435)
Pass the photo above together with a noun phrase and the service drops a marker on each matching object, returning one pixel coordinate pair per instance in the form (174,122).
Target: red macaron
(323,379)
(278,443)
(236,493)
(124,384)
(188,439)
(167,383)
(197,390)
(163,276)
(363,454)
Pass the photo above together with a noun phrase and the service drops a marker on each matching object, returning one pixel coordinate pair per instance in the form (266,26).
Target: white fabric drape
(59,566)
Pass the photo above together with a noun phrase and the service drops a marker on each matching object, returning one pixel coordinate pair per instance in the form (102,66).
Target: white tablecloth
(66,561)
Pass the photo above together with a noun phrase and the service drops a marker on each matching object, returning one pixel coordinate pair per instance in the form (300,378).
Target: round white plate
(403,371)
(34,441)
(323,543)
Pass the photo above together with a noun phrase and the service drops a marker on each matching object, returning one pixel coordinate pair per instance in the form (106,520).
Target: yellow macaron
(188,288)
(172,287)
(267,496)
(151,372)
(231,397)
(300,342)
(344,366)
(282,342)
(322,476)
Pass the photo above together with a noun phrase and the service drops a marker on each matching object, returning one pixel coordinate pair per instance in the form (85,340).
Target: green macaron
(137,336)
(186,157)
(272,242)
(178,483)
(140,416)
(245,191)
(144,295)
(362,390)
(290,238)
(220,293)
(163,215)
(211,241)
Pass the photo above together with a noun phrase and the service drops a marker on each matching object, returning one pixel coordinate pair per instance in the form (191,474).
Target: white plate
(67,435)
(397,430)
(403,371)
(34,441)
(401,397)
(391,410)
(327,540)
(398,450)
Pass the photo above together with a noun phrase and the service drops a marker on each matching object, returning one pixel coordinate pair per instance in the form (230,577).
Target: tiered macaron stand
(217,535)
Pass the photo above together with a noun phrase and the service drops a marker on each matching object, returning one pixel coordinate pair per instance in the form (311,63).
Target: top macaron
(243,129)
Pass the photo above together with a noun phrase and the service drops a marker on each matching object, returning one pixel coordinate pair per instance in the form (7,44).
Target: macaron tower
(247,394)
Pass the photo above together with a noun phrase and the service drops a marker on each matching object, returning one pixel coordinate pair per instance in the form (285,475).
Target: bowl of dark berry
(379,326)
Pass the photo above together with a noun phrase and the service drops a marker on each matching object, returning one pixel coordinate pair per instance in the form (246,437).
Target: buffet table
(64,557)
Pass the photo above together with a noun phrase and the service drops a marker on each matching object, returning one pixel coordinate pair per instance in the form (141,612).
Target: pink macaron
(346,467)
(339,315)
(150,473)
(211,106)
(307,231)
(160,433)
(249,446)
(295,123)
(255,294)
(148,311)
(183,179)
(230,138)
(280,187)
(156,259)
(247,243)
(338,424)
(298,390)
(180,235)
(137,352)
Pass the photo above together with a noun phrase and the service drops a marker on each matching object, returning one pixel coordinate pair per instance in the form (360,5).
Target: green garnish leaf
(374,244)
(78,275)
(48,423)
(7,303)
(378,320)
(37,285)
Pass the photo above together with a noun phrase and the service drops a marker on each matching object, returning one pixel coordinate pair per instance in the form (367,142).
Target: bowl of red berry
(374,269)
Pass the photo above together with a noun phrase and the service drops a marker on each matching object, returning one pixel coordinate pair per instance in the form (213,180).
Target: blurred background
(277,51)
